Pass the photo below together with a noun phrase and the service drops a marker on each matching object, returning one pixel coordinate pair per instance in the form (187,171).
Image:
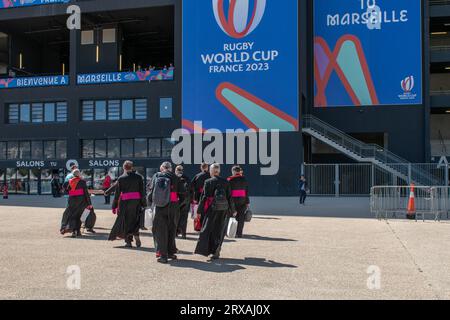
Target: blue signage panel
(24,3)
(28,82)
(367,52)
(240,60)
(123,77)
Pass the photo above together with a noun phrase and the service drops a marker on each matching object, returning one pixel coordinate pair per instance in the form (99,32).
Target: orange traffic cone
(411,204)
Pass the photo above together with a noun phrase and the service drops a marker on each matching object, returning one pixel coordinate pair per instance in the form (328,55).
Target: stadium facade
(139,69)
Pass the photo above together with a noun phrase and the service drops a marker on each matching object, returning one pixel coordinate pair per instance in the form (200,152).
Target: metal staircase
(363,152)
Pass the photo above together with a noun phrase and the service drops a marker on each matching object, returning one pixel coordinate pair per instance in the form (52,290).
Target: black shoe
(173,257)
(78,233)
(128,245)
(74,235)
(91,231)
(163,260)
(138,241)
(215,257)
(239,236)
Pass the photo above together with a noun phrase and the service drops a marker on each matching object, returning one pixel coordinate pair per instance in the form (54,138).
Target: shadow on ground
(225,265)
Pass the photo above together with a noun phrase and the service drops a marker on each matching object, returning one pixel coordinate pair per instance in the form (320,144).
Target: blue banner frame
(240,65)
(368,53)
(30,82)
(125,77)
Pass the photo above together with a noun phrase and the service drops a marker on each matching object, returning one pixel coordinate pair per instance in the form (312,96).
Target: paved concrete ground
(284,256)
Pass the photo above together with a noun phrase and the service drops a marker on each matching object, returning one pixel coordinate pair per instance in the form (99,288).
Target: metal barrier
(434,201)
(356,179)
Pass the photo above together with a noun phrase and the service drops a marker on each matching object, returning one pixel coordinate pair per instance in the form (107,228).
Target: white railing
(393,200)
(357,179)
(363,152)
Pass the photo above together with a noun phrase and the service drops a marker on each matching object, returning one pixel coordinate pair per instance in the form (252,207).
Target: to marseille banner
(240,60)
(122,77)
(25,3)
(367,52)
(28,82)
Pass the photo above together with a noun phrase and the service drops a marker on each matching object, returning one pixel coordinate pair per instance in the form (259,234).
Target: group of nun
(131,199)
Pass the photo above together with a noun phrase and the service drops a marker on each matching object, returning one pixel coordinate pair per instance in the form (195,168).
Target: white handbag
(149,217)
(232,228)
(85,215)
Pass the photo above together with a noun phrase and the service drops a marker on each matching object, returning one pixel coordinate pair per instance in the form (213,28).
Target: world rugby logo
(238,18)
(408,84)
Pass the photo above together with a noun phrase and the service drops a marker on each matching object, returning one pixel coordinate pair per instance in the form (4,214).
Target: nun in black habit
(216,205)
(79,200)
(129,203)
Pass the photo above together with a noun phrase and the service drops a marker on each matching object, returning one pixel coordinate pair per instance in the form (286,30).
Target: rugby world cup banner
(24,3)
(29,82)
(367,52)
(240,60)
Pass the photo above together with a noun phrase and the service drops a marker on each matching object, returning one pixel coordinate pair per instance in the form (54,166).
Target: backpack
(161,191)
(220,202)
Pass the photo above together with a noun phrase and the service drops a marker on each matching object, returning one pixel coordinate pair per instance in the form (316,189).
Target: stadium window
(13,150)
(154,148)
(61,149)
(165,108)
(140,148)
(49,112)
(24,150)
(100,110)
(167,146)
(61,112)
(109,35)
(87,149)
(114,110)
(100,148)
(113,148)
(87,111)
(87,37)
(126,148)
(127,110)
(3,150)
(140,107)
(37,113)
(13,113)
(49,149)
(36,150)
(25,113)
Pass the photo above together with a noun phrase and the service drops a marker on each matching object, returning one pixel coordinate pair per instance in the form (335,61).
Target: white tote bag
(85,215)
(149,216)
(194,209)
(232,228)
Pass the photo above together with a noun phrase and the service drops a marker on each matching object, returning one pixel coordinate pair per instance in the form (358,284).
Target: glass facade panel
(127,148)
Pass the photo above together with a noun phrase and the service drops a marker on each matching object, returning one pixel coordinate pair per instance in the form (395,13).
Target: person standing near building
(239,193)
(79,200)
(216,204)
(185,201)
(198,183)
(56,186)
(164,197)
(69,176)
(302,186)
(128,204)
(105,187)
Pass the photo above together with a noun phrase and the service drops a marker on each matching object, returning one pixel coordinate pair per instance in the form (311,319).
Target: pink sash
(130,196)
(238,193)
(174,197)
(76,193)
